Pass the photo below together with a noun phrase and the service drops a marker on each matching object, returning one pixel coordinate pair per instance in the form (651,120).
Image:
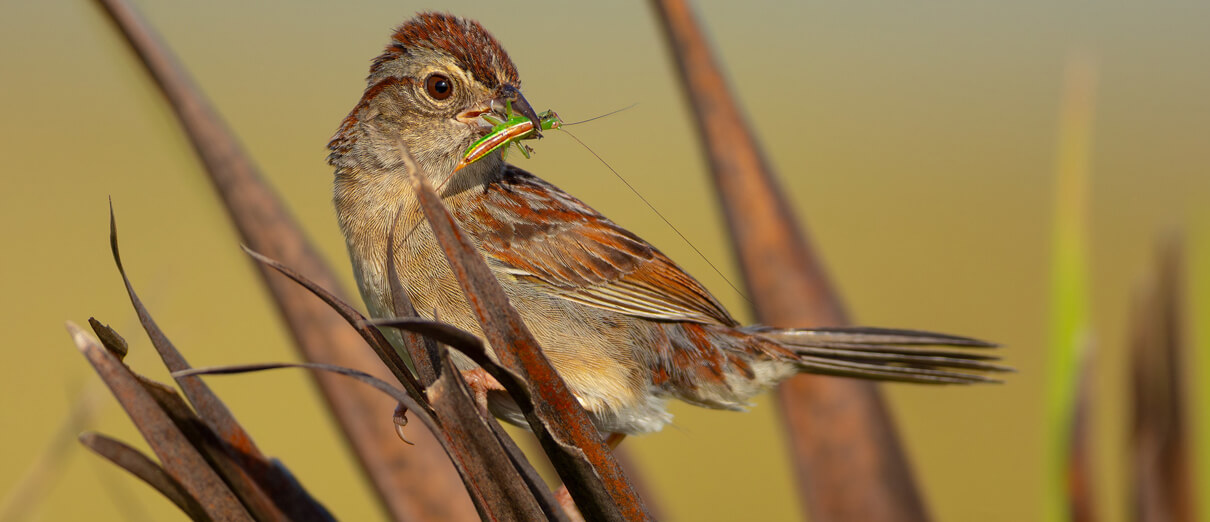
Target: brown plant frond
(176,453)
(1160,447)
(1080,469)
(146,470)
(501,482)
(420,348)
(848,459)
(372,336)
(413,485)
(208,405)
(493,470)
(573,444)
(265,488)
(401,396)
(477,457)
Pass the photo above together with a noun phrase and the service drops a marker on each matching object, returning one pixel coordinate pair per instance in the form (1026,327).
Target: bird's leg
(614,439)
(480,382)
(563,497)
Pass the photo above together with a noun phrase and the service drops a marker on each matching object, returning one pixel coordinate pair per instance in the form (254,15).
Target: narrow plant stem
(1069,277)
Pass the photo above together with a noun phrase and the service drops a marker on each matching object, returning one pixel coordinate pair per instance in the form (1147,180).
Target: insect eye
(439,87)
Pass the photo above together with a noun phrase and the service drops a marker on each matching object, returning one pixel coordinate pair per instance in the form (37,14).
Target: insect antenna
(652,207)
(610,113)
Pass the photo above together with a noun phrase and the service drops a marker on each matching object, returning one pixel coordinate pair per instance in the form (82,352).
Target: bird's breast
(592,349)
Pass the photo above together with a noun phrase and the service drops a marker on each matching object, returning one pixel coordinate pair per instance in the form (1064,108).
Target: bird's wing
(534,231)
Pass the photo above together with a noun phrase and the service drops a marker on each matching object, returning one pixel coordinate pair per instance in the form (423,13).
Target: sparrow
(623,325)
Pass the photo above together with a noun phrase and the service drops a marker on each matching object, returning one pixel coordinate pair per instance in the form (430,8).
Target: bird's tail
(887,354)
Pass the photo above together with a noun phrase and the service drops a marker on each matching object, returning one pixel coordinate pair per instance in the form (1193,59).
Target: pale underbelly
(592,349)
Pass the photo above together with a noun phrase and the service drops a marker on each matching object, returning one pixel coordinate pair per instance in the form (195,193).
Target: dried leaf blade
(829,422)
(209,407)
(594,479)
(178,456)
(429,486)
(372,336)
(492,478)
(146,470)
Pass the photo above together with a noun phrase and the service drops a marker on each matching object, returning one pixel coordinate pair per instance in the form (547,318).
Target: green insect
(510,131)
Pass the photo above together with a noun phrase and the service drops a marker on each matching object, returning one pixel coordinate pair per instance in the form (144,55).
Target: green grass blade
(1069,310)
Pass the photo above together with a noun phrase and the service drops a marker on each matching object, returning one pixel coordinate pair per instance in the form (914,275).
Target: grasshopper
(509,131)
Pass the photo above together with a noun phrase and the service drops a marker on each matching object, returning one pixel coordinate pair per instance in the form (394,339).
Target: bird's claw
(400,419)
(480,382)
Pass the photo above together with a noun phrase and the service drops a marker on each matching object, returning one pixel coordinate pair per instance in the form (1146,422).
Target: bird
(624,326)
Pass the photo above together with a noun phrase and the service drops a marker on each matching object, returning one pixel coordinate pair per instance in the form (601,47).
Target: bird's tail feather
(888,354)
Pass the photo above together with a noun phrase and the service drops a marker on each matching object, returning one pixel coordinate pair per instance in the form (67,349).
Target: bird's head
(430,88)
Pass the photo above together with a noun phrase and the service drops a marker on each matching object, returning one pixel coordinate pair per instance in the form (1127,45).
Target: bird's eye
(439,87)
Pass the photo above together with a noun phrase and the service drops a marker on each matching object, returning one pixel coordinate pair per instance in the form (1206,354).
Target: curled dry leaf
(266,488)
(116,344)
(178,456)
(414,485)
(501,482)
(471,468)
(146,470)
(208,405)
(372,336)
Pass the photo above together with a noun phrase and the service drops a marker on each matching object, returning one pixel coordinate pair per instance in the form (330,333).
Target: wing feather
(535,231)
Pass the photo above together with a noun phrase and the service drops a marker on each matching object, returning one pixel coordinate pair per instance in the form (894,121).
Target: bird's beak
(508,93)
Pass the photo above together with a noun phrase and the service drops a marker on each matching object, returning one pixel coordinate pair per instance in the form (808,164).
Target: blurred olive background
(918,144)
